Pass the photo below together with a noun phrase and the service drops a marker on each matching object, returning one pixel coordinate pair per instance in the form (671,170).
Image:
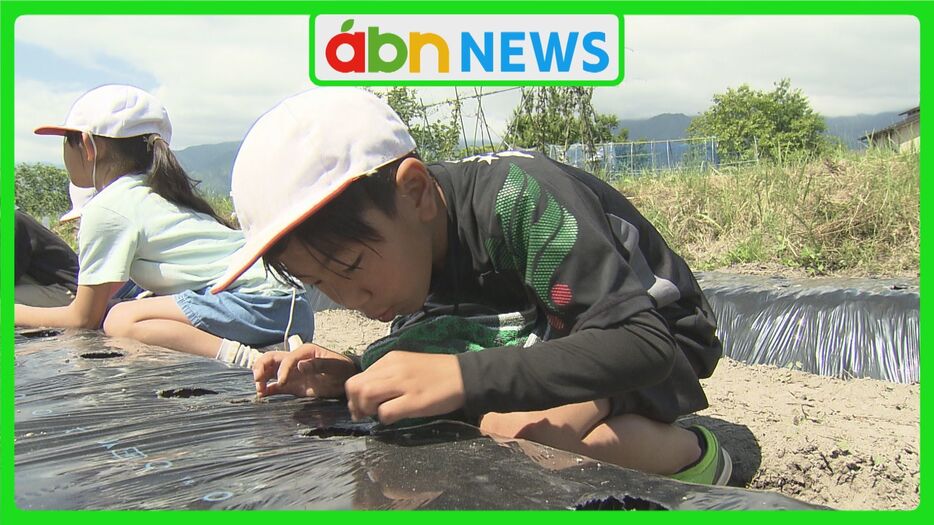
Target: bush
(42,190)
(851,213)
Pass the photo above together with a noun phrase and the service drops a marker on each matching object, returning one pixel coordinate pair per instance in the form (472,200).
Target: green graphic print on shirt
(449,334)
(534,248)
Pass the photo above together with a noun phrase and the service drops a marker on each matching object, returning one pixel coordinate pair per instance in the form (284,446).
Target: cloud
(844,64)
(38,103)
(215,75)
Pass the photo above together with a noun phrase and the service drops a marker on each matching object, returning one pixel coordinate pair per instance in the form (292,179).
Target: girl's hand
(308,371)
(406,384)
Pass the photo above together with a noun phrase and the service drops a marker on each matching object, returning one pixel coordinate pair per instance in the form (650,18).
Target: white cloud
(844,64)
(39,104)
(216,75)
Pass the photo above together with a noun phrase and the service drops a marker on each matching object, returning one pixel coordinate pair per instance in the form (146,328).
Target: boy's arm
(598,272)
(591,363)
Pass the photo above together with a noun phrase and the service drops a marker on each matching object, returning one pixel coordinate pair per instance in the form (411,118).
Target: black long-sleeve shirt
(618,311)
(42,255)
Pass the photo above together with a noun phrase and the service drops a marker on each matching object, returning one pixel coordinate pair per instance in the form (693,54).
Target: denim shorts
(251,319)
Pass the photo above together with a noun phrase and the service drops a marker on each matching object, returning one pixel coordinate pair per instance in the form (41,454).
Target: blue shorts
(251,319)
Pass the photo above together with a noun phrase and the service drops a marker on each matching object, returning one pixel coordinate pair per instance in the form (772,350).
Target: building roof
(911,116)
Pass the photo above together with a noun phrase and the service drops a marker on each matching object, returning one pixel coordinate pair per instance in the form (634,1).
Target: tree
(437,140)
(605,123)
(560,116)
(772,125)
(42,190)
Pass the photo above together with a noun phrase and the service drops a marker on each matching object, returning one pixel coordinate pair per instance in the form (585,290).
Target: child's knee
(118,322)
(523,425)
(504,425)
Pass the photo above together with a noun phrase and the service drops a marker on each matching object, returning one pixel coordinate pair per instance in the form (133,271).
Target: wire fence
(614,160)
(610,160)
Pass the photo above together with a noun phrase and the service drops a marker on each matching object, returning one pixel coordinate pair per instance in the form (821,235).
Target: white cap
(79,197)
(115,111)
(300,155)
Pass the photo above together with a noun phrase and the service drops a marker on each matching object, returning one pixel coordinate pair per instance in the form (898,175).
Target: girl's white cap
(115,111)
(300,155)
(79,197)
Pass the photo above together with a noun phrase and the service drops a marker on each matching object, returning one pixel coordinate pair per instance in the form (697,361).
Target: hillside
(660,127)
(212,163)
(851,128)
(674,126)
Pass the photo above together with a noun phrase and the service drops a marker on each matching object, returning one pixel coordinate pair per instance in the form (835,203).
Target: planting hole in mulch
(628,503)
(39,333)
(185,392)
(101,355)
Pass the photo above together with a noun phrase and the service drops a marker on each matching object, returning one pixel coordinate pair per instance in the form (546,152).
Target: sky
(217,74)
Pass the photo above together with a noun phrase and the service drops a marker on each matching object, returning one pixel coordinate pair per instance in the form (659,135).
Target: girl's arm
(86,311)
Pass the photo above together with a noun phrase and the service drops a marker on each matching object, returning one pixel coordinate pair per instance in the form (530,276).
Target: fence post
(653,156)
(668,152)
(632,162)
(606,157)
(714,159)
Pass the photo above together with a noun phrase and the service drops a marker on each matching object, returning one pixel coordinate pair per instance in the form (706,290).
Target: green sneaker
(715,468)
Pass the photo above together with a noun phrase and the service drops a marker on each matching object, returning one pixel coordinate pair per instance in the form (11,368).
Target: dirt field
(847,444)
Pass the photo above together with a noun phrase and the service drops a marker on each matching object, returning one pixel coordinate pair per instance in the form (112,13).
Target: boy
(45,267)
(532,295)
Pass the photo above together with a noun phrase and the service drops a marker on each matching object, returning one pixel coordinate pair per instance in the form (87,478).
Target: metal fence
(614,160)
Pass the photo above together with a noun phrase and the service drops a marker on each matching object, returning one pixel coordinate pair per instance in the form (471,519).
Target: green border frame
(11,9)
(484,8)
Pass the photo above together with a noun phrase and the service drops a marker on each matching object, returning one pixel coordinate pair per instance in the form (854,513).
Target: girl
(147,224)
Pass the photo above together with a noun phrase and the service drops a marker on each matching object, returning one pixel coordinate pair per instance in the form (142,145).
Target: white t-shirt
(130,232)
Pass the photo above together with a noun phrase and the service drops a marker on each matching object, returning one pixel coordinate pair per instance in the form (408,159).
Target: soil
(846,444)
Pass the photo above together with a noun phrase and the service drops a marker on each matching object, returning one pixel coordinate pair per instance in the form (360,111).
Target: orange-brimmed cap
(79,197)
(300,155)
(116,111)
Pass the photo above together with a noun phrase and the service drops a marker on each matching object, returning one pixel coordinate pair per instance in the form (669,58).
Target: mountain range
(212,163)
(674,126)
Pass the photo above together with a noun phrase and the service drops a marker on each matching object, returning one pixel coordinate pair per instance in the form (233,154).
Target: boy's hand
(403,385)
(309,370)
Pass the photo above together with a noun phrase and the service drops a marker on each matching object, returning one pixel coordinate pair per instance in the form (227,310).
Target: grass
(223,207)
(849,214)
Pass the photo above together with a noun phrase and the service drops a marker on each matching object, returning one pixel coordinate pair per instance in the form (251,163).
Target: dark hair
(150,154)
(73,138)
(341,220)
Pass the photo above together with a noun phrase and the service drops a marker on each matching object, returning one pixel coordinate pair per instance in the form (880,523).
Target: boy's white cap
(79,197)
(300,155)
(116,111)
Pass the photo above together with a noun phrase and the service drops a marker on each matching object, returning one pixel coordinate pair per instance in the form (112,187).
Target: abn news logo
(517,49)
